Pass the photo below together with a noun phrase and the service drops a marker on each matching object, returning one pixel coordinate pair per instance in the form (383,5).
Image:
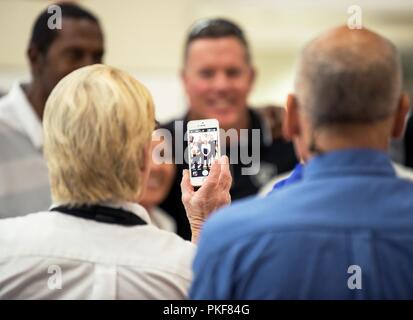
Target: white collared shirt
(17,112)
(24,182)
(162,220)
(51,255)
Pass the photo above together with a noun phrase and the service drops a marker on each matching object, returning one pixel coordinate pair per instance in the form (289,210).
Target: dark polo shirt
(276,156)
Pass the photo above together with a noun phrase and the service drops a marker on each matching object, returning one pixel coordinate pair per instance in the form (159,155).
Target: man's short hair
(97,123)
(214,29)
(350,82)
(42,36)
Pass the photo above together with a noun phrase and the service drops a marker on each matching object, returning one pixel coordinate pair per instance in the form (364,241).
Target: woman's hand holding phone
(213,194)
(203,135)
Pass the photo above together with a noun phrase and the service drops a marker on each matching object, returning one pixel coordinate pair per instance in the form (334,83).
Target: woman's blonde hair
(97,123)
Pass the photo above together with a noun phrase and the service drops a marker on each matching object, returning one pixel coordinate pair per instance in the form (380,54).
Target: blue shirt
(305,241)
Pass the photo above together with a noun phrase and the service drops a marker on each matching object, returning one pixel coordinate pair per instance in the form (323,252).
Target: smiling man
(52,53)
(218,76)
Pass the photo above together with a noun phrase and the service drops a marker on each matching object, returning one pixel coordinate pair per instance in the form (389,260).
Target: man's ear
(400,116)
(253,75)
(184,78)
(291,125)
(36,60)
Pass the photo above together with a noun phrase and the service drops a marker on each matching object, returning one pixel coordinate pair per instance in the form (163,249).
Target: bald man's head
(348,76)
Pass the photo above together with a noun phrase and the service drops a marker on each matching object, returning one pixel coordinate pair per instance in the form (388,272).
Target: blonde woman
(96,242)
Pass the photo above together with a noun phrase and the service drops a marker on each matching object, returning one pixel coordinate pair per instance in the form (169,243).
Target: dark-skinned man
(52,54)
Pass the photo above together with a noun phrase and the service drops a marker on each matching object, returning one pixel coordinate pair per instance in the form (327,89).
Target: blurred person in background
(218,76)
(52,54)
(98,125)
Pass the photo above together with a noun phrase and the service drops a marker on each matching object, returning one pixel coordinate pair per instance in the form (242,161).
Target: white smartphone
(203,148)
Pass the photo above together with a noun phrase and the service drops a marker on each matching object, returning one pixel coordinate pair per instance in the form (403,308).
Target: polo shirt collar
(349,162)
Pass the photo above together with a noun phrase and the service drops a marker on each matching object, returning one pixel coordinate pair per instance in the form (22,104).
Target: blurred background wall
(145,37)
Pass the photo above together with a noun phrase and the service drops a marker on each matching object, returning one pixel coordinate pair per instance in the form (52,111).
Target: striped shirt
(24,184)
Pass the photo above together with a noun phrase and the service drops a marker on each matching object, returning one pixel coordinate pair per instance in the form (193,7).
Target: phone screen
(203,149)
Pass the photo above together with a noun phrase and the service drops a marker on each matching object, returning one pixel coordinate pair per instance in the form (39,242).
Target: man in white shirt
(52,53)
(96,242)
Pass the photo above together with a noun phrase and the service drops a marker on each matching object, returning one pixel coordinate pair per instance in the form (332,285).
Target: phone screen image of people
(203,147)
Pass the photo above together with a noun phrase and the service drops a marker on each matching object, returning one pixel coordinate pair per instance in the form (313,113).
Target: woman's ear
(400,116)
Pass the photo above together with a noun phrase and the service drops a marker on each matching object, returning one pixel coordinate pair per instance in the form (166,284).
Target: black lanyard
(102,214)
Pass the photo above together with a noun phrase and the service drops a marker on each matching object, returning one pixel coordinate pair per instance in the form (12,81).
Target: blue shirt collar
(349,162)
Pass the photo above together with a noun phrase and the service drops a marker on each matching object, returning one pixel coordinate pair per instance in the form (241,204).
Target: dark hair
(42,36)
(216,28)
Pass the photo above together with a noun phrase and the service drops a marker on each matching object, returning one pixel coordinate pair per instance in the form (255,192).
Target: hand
(213,194)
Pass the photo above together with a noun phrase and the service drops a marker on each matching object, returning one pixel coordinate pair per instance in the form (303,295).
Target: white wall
(145,37)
